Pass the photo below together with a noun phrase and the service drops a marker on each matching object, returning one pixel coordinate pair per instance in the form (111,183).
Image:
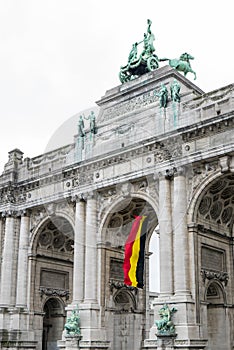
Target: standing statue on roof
(175,91)
(133,53)
(81,132)
(148,41)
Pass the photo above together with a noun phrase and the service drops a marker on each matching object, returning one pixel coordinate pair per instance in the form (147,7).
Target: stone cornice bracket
(225,163)
(10,213)
(126,189)
(50,209)
(90,195)
(24,212)
(167,174)
(80,197)
(180,171)
(221,276)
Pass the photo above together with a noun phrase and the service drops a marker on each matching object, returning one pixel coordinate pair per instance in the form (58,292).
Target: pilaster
(22,272)
(8,260)
(181,247)
(79,250)
(166,237)
(91,249)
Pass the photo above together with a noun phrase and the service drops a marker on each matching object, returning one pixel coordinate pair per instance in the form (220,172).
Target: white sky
(60,56)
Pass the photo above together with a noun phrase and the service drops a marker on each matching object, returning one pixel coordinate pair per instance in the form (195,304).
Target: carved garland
(54,292)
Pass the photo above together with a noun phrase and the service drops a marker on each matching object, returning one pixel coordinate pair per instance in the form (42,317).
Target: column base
(179,344)
(73,344)
(166,341)
(190,344)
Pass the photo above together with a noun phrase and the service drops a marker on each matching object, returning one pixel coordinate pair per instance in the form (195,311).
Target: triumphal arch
(160,147)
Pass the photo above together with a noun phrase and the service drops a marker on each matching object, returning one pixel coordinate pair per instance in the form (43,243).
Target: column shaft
(91,252)
(166,238)
(22,272)
(79,253)
(181,248)
(7,262)
(1,240)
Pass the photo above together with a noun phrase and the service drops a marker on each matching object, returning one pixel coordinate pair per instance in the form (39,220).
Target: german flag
(134,258)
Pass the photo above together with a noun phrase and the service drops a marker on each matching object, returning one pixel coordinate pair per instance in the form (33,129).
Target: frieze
(209,129)
(129,106)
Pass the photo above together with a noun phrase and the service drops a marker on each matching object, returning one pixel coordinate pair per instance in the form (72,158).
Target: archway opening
(135,317)
(216,318)
(53,323)
(52,277)
(214,218)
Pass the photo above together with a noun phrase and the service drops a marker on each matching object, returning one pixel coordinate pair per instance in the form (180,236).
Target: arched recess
(216,317)
(115,228)
(51,273)
(213,215)
(53,323)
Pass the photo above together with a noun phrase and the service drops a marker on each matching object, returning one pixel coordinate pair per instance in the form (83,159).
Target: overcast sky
(60,56)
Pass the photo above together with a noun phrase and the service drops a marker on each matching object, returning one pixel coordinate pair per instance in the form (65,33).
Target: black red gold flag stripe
(134,257)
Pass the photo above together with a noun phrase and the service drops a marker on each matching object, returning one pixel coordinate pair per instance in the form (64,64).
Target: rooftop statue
(163,96)
(175,91)
(146,62)
(181,64)
(81,132)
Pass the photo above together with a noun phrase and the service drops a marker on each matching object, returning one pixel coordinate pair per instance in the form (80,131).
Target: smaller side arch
(215,293)
(124,300)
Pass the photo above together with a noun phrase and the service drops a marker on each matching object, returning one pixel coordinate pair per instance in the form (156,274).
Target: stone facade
(66,214)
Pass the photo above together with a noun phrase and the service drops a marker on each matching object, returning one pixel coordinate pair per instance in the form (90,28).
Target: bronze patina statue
(148,61)
(182,64)
(165,325)
(72,326)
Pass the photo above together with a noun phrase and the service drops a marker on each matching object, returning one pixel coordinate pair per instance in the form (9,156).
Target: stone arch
(37,229)
(214,203)
(114,229)
(124,300)
(119,203)
(217,321)
(215,293)
(53,322)
(51,272)
(197,194)
(212,211)
(59,223)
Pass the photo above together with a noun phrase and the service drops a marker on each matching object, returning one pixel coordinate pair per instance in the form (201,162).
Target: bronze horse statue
(182,64)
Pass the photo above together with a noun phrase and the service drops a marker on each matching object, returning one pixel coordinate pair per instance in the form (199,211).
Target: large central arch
(127,308)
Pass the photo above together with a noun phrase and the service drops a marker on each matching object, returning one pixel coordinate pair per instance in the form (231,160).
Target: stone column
(181,247)
(166,238)
(79,252)
(1,240)
(22,271)
(91,250)
(8,261)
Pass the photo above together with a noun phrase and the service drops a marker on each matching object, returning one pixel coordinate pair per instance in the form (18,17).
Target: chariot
(148,61)
(138,67)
